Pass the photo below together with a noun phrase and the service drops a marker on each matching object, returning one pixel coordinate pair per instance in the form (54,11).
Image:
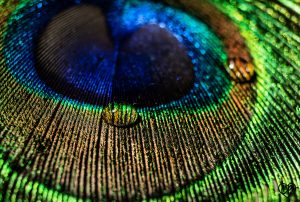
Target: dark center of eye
(77,57)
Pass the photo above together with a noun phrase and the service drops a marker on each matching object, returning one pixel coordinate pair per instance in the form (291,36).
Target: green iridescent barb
(240,146)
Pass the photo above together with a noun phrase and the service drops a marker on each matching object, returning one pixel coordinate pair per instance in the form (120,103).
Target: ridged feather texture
(191,127)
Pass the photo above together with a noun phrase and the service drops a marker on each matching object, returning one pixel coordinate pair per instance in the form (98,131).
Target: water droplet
(120,115)
(240,70)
